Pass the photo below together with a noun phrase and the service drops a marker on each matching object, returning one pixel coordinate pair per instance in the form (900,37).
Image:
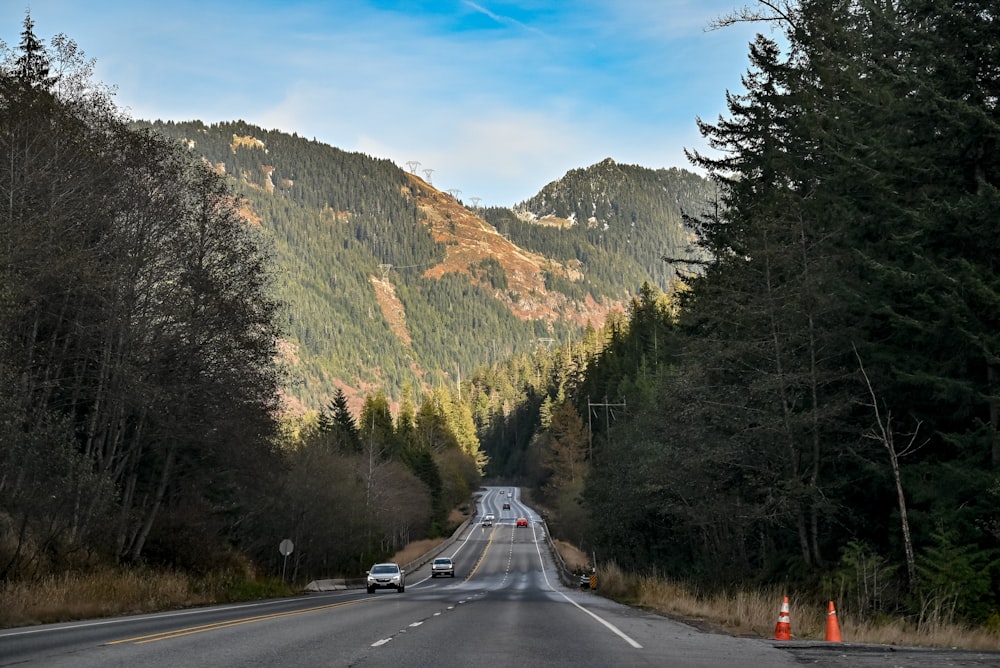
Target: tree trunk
(911,568)
(161,491)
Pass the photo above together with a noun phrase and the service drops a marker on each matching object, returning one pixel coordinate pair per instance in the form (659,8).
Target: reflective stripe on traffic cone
(783,629)
(832,627)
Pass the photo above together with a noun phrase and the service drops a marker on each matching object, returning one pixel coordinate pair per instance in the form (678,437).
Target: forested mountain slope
(607,211)
(392,283)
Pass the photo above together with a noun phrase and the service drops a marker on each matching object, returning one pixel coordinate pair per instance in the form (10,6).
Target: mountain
(628,213)
(391,283)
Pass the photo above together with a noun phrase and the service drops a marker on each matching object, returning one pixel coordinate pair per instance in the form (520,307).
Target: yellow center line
(483,555)
(178,633)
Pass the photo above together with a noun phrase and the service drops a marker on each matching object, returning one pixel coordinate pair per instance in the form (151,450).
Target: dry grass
(456,517)
(576,559)
(419,548)
(110,592)
(755,613)
(750,613)
(416,550)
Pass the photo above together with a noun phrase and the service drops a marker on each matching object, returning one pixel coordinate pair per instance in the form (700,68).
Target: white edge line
(611,627)
(457,550)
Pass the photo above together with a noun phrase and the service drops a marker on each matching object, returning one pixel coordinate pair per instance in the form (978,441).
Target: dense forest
(819,403)
(140,416)
(803,391)
(335,220)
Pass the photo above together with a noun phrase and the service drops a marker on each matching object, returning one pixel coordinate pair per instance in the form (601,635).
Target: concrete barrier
(327,585)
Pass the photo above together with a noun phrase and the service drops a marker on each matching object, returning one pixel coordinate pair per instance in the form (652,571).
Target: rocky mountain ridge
(392,283)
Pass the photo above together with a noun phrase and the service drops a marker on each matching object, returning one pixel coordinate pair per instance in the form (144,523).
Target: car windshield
(442,561)
(385,568)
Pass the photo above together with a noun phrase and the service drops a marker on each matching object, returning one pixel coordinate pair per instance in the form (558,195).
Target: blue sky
(499,98)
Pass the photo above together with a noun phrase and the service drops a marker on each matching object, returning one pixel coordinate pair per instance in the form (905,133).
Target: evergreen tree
(338,421)
(32,65)
(136,313)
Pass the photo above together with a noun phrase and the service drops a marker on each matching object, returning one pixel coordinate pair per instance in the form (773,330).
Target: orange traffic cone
(832,627)
(783,629)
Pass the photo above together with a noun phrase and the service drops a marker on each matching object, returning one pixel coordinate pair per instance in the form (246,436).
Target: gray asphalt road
(504,607)
(850,655)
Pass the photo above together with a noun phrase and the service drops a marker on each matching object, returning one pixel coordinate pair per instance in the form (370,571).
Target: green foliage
(490,271)
(138,328)
(855,210)
(851,207)
(334,218)
(626,220)
(558,283)
(253,589)
(47,475)
(564,448)
(868,582)
(958,579)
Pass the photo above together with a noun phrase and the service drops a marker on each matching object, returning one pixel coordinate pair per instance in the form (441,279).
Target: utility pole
(412,164)
(607,424)
(427,174)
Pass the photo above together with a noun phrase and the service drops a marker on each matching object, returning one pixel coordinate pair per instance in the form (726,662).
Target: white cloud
(497,110)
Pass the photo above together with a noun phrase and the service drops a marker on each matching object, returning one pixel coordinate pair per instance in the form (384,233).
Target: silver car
(442,566)
(386,576)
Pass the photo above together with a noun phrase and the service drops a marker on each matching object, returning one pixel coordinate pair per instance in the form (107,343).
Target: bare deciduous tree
(883,433)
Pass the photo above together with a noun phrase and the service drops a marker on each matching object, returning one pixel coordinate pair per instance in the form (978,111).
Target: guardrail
(437,549)
(566,576)
(336,584)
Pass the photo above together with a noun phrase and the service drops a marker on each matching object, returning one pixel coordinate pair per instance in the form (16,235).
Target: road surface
(504,607)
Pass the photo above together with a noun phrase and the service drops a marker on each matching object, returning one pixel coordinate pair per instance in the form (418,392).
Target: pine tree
(338,421)
(32,67)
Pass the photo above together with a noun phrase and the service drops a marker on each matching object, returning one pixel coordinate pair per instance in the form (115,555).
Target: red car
(522,521)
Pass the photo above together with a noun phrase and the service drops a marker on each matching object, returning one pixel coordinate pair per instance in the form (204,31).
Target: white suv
(386,576)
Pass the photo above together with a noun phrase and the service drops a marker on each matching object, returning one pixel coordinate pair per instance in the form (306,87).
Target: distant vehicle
(442,566)
(502,492)
(522,521)
(488,520)
(506,506)
(386,576)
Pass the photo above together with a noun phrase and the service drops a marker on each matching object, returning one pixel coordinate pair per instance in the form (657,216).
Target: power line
(607,422)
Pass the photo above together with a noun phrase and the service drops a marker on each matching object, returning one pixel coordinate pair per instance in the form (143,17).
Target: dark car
(506,506)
